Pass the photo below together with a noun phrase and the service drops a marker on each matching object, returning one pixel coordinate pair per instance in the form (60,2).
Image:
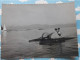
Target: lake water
(15,44)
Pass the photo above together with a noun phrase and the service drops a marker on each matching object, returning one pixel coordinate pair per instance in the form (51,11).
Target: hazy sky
(28,14)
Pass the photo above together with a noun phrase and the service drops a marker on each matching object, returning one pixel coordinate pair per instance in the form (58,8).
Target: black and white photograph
(39,31)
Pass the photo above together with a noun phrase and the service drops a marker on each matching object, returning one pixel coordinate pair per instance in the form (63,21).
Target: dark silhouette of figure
(42,35)
(48,36)
(58,31)
(1,28)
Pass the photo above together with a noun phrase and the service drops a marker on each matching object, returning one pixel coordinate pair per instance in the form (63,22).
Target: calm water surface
(15,44)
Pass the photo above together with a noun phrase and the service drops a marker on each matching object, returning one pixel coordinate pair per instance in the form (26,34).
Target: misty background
(31,16)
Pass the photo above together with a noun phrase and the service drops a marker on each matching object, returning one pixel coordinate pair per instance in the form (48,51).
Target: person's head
(55,29)
(58,28)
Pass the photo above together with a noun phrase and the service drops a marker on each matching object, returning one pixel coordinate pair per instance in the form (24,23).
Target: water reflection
(53,48)
(4,36)
(15,44)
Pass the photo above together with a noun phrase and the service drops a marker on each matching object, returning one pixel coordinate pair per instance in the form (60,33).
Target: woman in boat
(58,31)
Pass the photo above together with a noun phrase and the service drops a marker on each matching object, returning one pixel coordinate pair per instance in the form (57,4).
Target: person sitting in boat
(47,35)
(58,31)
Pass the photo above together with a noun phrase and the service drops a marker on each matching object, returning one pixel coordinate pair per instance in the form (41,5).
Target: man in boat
(58,31)
(47,35)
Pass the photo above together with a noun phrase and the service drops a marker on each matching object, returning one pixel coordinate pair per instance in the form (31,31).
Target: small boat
(62,39)
(40,29)
(54,40)
(49,40)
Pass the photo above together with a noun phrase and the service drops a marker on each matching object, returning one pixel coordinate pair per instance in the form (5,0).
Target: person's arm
(43,34)
(50,35)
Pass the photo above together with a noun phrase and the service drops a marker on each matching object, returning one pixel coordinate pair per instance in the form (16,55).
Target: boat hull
(55,40)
